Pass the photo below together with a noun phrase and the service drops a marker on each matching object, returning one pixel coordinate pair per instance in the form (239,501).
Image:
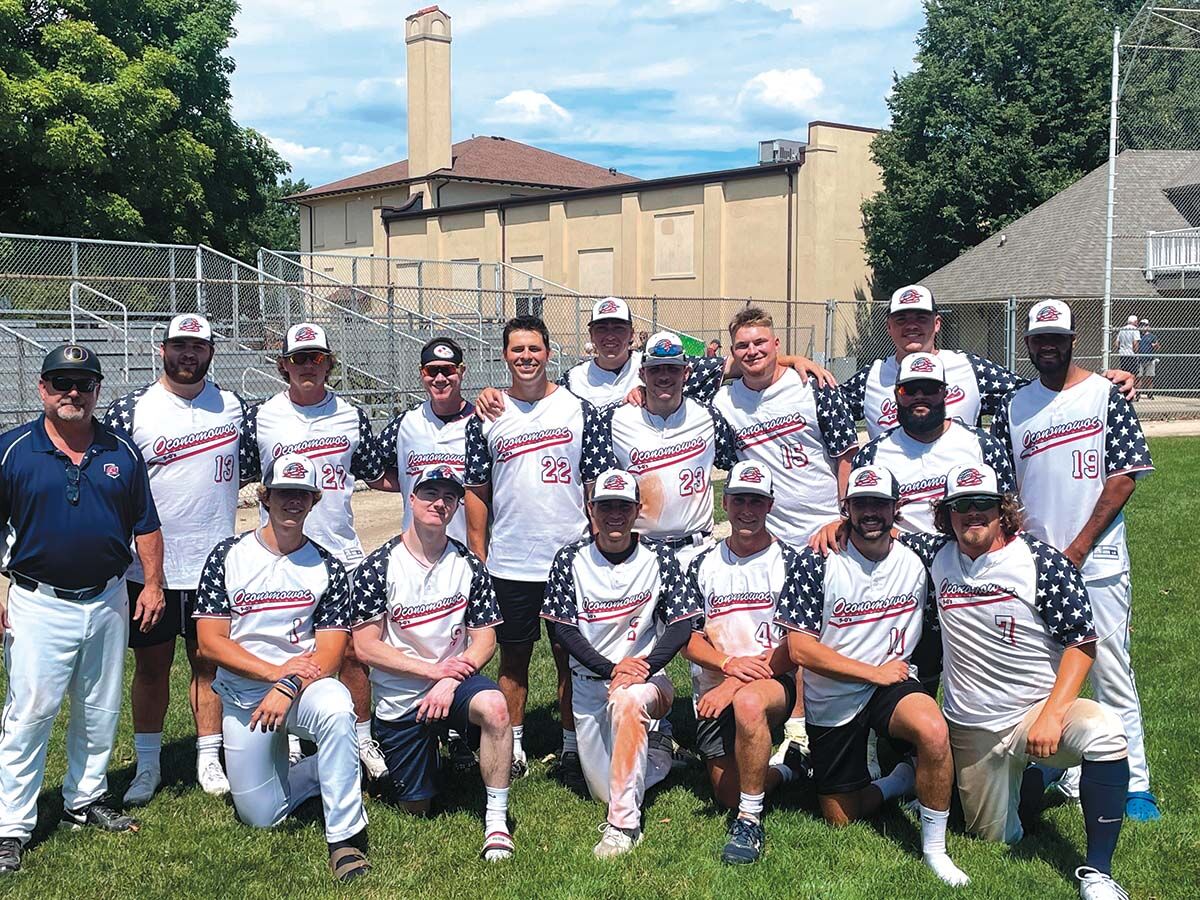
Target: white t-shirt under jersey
(1064,446)
(536,457)
(195,461)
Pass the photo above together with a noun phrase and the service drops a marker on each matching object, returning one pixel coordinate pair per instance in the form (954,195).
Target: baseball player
(187,429)
(309,418)
(1019,640)
(743,682)
(528,469)
(424,621)
(622,608)
(273,613)
(1078,451)
(853,621)
(974,385)
(797,430)
(71,489)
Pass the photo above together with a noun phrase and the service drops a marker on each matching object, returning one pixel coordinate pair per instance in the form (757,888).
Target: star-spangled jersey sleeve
(120,414)
(483,611)
(365,464)
(995,454)
(834,419)
(212,598)
(248,459)
(995,382)
(1062,597)
(332,612)
(676,599)
(596,454)
(802,599)
(705,379)
(478,469)
(558,604)
(724,441)
(247,454)
(854,391)
(693,581)
(369,586)
(925,545)
(1125,449)
(866,454)
(385,443)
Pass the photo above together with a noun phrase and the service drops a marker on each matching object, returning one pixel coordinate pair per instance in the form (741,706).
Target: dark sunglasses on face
(64,384)
(966,504)
(920,389)
(433,371)
(304,357)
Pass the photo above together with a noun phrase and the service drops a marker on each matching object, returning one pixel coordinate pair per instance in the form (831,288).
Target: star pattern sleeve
(676,599)
(995,455)
(926,546)
(212,598)
(597,453)
(559,603)
(1125,449)
(249,461)
(854,391)
(333,607)
(365,464)
(120,414)
(693,585)
(705,379)
(802,598)
(866,455)
(369,598)
(479,454)
(995,383)
(1000,430)
(385,443)
(483,611)
(1062,597)
(724,441)
(834,420)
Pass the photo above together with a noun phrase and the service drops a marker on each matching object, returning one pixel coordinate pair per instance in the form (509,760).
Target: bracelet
(724,663)
(285,691)
(289,686)
(294,681)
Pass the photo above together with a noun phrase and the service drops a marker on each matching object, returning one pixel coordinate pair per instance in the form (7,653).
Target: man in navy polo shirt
(74,492)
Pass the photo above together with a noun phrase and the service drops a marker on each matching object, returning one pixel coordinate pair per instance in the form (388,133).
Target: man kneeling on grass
(424,621)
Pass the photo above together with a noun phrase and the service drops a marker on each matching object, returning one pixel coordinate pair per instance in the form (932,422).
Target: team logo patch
(922,364)
(752,475)
(665,348)
(440,472)
(294,470)
(969,478)
(306,334)
(190,325)
(909,297)
(75,354)
(615,483)
(441,351)
(112,470)
(866,479)
(608,306)
(1048,314)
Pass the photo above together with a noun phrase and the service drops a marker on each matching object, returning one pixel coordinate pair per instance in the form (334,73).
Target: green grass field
(191,845)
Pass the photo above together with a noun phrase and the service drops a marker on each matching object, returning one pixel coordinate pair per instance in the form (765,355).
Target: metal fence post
(654,312)
(201,307)
(1010,335)
(75,260)
(262,289)
(171,275)
(830,318)
(420,289)
(237,314)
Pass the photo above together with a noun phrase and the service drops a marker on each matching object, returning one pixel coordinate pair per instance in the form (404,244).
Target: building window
(529,304)
(674,241)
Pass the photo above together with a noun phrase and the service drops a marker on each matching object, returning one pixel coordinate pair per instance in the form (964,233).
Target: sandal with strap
(500,841)
(348,863)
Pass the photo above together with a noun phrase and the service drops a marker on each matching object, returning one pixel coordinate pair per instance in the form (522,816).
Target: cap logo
(922,364)
(112,470)
(190,325)
(440,472)
(615,483)
(665,347)
(969,478)
(866,479)
(910,296)
(1048,314)
(751,475)
(306,334)
(608,306)
(75,354)
(442,351)
(294,470)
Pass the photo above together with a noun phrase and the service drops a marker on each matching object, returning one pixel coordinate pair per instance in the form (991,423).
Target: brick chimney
(427,34)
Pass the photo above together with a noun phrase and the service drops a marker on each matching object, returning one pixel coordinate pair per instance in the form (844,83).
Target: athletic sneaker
(497,845)
(791,735)
(569,771)
(10,855)
(295,751)
(798,760)
(616,841)
(1142,806)
(371,755)
(745,844)
(1095,885)
(211,778)
(1068,784)
(519,768)
(463,760)
(98,815)
(142,788)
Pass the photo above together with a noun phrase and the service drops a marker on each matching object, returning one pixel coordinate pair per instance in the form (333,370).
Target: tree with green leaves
(1007,106)
(115,122)
(278,226)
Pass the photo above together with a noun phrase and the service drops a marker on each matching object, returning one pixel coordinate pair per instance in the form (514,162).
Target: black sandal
(348,863)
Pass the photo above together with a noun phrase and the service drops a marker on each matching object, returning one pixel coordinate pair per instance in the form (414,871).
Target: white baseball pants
(613,736)
(265,790)
(55,648)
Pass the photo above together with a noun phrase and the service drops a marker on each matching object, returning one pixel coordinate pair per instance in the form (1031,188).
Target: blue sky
(653,87)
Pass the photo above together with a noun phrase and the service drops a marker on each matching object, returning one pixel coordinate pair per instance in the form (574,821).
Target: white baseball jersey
(866,610)
(1005,618)
(1064,446)
(673,459)
(974,385)
(275,604)
(622,609)
(418,438)
(195,460)
(1127,339)
(336,435)
(603,388)
(796,430)
(426,613)
(537,457)
(740,596)
(920,468)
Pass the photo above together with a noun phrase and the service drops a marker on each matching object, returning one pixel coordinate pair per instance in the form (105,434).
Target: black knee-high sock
(1102,790)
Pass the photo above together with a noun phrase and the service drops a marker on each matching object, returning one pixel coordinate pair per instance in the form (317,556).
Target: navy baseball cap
(72,358)
(440,473)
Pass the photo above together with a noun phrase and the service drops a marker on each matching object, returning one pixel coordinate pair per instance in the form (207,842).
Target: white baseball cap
(1050,317)
(664,348)
(1133,320)
(189,325)
(975,480)
(293,471)
(440,473)
(872,481)
(921,367)
(616,484)
(911,296)
(749,477)
(305,336)
(611,308)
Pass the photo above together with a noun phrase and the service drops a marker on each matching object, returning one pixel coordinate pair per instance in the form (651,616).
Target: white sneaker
(615,842)
(1095,885)
(371,755)
(1068,783)
(212,778)
(142,788)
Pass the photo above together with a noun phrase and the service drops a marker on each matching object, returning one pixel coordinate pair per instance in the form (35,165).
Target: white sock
(750,806)
(786,775)
(148,746)
(570,742)
(933,847)
(794,730)
(363,730)
(495,815)
(900,781)
(794,724)
(518,734)
(294,748)
(208,749)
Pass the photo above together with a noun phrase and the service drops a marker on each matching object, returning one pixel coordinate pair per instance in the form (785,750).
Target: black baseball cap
(441,349)
(72,358)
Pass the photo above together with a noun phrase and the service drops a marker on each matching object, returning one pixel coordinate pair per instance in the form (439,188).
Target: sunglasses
(73,485)
(304,357)
(65,384)
(920,388)
(979,504)
(433,371)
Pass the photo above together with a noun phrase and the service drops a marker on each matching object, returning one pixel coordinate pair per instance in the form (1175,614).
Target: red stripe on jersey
(978,600)
(770,434)
(694,449)
(891,614)
(460,604)
(613,612)
(726,610)
(201,447)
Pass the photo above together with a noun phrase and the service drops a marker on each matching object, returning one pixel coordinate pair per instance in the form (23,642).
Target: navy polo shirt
(67,545)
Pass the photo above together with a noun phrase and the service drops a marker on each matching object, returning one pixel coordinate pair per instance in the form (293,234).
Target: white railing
(76,289)
(1172,252)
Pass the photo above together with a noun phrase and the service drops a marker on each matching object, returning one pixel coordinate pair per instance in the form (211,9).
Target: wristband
(724,663)
(289,686)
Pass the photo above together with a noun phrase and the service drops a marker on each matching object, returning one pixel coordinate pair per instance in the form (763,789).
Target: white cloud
(298,153)
(641,76)
(785,90)
(490,12)
(527,107)
(676,8)
(837,14)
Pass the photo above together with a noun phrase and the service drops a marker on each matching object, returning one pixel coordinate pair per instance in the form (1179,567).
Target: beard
(176,373)
(1057,366)
(68,413)
(870,528)
(921,424)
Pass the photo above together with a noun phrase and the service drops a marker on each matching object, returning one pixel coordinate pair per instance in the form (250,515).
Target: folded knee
(492,709)
(258,816)
(749,708)
(1103,737)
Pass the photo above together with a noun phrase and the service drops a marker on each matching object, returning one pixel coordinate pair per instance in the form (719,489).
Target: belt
(587,677)
(80,596)
(688,540)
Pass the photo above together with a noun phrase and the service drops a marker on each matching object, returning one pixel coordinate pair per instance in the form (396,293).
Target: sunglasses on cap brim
(966,504)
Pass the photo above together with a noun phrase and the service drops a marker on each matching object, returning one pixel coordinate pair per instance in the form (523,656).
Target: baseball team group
(861,581)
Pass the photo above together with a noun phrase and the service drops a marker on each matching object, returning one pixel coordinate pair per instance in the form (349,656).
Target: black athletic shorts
(715,737)
(176,619)
(839,752)
(521,605)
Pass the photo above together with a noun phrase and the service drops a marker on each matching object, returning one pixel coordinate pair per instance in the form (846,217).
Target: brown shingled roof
(488,159)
